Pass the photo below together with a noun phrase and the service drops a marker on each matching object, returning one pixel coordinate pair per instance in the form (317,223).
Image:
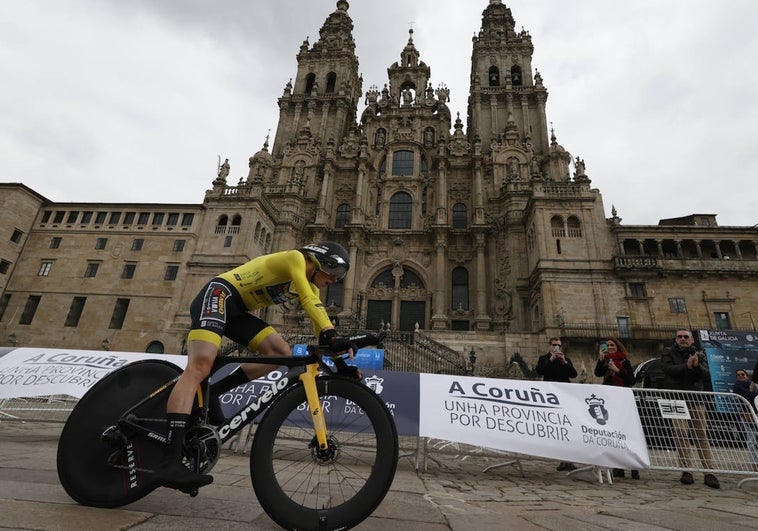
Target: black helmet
(329,257)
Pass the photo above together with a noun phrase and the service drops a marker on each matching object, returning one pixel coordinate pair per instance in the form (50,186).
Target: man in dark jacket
(685,368)
(556,367)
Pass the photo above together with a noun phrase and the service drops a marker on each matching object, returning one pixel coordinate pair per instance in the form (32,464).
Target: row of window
(74,312)
(459,295)
(90,271)
(637,290)
(101,243)
(114,218)
(401,213)
(494,76)
(331,82)
(571,227)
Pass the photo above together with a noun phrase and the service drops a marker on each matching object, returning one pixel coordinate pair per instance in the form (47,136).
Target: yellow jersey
(277,278)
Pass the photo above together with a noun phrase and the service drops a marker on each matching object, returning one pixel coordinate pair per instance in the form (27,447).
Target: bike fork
(314,404)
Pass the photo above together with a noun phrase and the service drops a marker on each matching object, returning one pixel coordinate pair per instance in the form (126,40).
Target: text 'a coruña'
(532,396)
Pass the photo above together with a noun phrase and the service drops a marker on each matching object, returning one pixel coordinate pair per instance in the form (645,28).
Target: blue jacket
(743,389)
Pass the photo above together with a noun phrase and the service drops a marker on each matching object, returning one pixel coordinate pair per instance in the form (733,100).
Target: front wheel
(97,464)
(301,486)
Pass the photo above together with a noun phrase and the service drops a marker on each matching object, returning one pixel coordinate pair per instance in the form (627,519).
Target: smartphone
(603,346)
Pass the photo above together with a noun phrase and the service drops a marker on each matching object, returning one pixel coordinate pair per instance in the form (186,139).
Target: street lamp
(105,344)
(13,339)
(472,359)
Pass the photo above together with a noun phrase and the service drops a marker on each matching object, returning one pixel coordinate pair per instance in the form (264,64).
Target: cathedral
(480,232)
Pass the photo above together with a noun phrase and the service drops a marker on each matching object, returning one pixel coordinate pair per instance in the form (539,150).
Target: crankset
(202,448)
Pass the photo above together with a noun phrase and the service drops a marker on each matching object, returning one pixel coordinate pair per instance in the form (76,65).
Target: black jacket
(556,370)
(678,376)
(626,374)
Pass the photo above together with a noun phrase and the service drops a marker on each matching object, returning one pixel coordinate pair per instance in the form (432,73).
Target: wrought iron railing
(595,330)
(403,351)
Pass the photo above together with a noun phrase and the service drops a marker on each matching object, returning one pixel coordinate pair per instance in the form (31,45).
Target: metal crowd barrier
(55,408)
(699,431)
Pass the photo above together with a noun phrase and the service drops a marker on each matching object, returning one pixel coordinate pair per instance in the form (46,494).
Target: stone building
(485,236)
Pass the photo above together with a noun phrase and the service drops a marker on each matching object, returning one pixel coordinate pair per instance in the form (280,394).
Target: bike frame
(310,367)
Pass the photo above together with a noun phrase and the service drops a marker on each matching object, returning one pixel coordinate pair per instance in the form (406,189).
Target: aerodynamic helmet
(329,257)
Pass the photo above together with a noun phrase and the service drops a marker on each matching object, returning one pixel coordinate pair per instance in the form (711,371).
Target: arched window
(237,220)
(516,78)
(221,224)
(574,227)
(155,347)
(410,279)
(494,77)
(402,163)
(310,79)
(556,225)
(460,289)
(384,279)
(343,216)
(401,207)
(331,82)
(460,216)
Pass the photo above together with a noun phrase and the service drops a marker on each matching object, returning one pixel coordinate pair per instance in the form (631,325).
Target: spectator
(614,367)
(747,389)
(685,368)
(556,367)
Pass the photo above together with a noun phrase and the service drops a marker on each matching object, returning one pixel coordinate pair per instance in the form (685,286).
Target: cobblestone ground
(459,488)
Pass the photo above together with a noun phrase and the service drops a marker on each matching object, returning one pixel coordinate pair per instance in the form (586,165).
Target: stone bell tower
(323,97)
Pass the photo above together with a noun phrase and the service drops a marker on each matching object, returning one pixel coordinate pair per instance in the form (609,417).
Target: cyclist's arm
(308,294)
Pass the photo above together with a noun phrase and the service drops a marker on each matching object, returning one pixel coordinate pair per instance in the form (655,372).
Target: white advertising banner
(27,372)
(581,423)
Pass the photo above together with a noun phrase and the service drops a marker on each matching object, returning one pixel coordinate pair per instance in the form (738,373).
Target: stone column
(482,319)
(441,196)
(321,212)
(349,281)
(737,249)
(439,315)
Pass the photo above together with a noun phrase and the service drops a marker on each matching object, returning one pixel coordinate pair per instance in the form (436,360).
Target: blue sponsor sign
(727,351)
(398,390)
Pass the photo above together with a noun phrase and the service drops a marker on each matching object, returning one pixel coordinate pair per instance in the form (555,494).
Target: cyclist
(222,309)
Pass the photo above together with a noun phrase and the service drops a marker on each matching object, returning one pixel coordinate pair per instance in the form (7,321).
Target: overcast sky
(133,101)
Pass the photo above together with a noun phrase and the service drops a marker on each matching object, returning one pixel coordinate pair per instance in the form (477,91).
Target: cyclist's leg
(202,347)
(172,473)
(268,343)
(257,336)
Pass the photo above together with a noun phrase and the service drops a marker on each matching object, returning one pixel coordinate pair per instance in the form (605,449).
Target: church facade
(465,228)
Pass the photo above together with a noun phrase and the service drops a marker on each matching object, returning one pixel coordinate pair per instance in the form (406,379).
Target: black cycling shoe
(177,476)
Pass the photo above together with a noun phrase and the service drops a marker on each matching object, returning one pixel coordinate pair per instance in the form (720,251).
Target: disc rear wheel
(99,464)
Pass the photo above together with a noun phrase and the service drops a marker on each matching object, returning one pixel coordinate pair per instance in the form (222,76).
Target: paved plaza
(459,490)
